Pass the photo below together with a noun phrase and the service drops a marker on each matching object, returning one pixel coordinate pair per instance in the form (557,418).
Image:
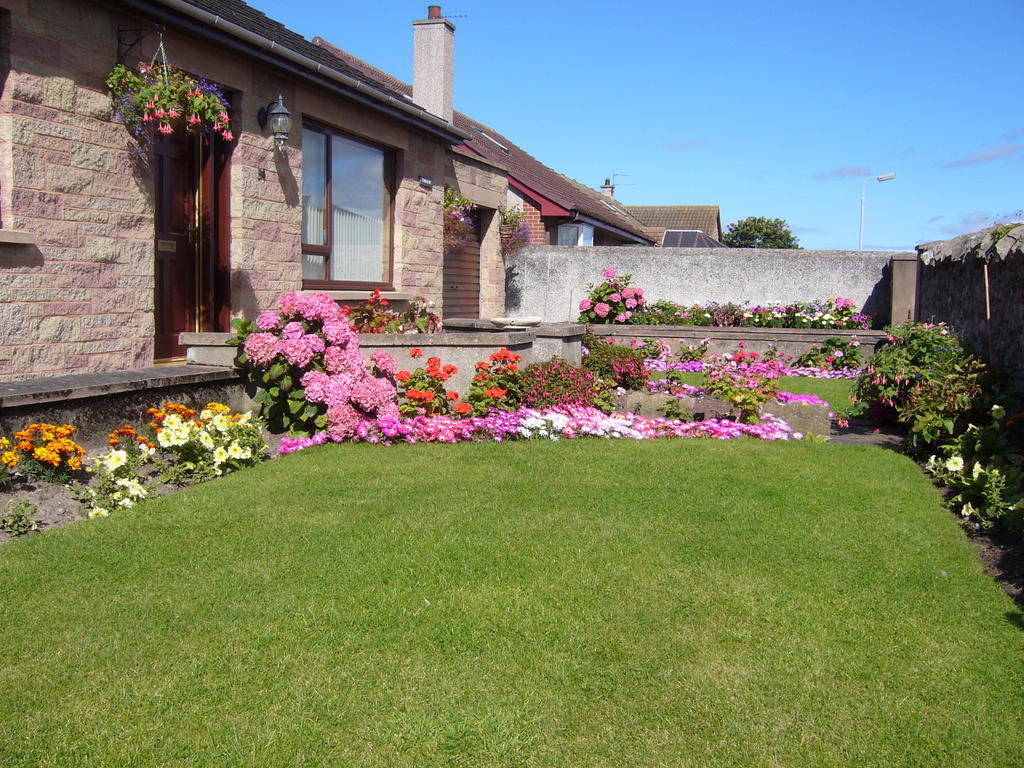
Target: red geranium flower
(415,353)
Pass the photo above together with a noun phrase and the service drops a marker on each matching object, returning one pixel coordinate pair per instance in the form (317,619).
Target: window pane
(568,234)
(358,211)
(586,235)
(314,189)
(314,266)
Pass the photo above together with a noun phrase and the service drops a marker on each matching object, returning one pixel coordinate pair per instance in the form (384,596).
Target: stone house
(106,255)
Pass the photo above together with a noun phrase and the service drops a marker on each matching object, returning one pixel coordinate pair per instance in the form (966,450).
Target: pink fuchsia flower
(586,304)
(602,309)
(293,330)
(615,297)
(609,274)
(261,348)
(268,320)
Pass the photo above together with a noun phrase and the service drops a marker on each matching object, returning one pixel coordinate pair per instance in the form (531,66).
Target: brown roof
(522,166)
(247,17)
(658,218)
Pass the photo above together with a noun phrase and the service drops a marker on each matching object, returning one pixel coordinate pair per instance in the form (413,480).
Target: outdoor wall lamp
(277,117)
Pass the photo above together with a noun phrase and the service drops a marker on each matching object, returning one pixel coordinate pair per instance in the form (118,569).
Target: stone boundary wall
(952,289)
(549,281)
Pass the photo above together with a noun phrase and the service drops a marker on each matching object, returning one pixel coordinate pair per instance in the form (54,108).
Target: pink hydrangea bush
(613,301)
(304,358)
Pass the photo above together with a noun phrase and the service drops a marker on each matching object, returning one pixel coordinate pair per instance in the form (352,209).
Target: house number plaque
(166,246)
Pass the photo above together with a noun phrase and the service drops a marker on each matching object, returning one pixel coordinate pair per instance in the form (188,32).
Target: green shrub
(926,379)
(619,363)
(985,466)
(832,354)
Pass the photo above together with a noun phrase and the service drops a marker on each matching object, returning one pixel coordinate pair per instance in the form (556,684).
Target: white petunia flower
(954,464)
(115,459)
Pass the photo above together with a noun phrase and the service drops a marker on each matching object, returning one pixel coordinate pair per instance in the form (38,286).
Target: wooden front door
(177,268)
(461,275)
(192,274)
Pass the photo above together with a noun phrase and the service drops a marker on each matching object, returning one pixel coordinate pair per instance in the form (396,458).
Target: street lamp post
(863,190)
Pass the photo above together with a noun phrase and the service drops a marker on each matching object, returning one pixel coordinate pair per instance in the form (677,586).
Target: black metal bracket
(129,37)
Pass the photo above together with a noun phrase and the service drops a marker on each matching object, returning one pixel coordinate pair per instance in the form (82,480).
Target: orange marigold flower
(10,458)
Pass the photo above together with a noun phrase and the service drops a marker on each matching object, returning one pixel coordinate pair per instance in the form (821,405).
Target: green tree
(759,232)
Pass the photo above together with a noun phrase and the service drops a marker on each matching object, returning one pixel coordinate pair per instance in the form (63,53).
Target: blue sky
(766,109)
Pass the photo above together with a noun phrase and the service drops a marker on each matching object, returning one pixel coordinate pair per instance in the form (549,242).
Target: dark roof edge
(215,28)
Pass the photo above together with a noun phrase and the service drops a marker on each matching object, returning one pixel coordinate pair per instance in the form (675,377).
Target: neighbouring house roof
(657,218)
(688,238)
(558,195)
(244,27)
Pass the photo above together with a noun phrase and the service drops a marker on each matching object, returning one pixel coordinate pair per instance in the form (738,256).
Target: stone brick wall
(953,290)
(81,299)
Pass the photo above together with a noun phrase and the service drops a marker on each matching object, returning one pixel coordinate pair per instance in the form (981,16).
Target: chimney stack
(433,68)
(608,189)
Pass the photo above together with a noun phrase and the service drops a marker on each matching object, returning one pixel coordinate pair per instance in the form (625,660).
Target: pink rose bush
(306,362)
(613,301)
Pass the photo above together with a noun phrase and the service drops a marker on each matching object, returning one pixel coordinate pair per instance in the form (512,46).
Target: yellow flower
(220,456)
(10,458)
(97,512)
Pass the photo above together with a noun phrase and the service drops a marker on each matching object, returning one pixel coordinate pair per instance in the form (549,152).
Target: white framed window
(575,234)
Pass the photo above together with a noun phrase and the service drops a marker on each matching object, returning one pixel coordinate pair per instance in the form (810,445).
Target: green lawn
(585,603)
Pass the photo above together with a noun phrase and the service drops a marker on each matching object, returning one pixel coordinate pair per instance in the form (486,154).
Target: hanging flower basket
(158,98)
(458,220)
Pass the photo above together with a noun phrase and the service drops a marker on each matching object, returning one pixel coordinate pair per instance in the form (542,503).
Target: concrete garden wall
(549,281)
